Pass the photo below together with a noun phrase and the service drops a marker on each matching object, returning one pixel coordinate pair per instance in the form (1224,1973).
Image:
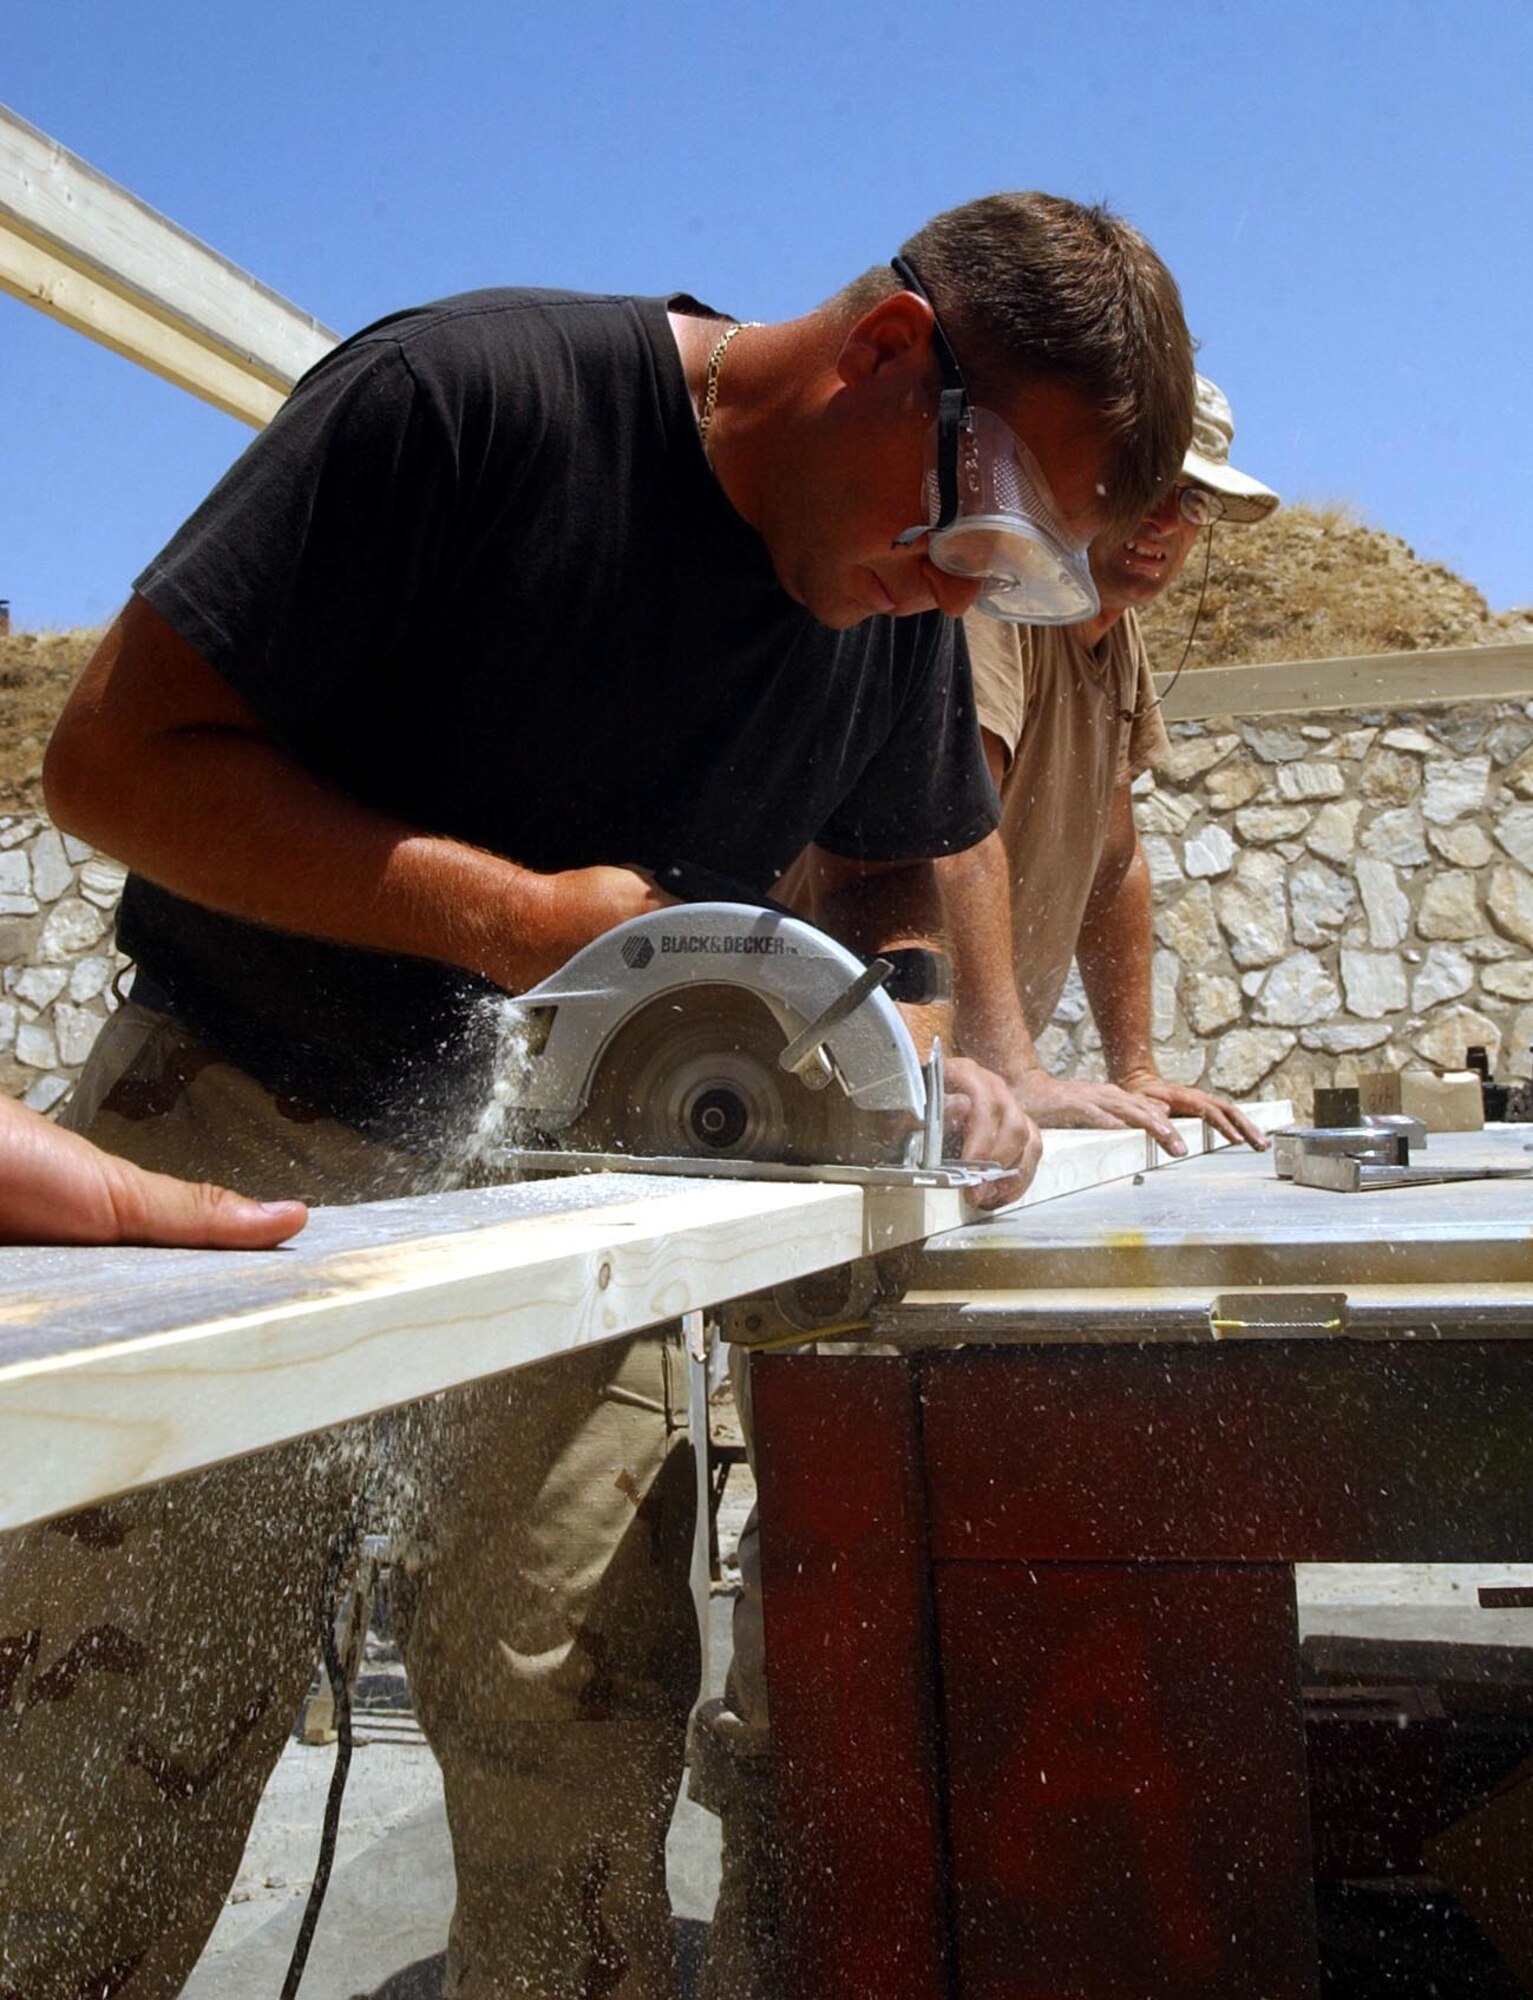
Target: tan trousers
(154,1651)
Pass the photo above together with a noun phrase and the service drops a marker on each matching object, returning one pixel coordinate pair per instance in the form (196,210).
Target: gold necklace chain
(711,379)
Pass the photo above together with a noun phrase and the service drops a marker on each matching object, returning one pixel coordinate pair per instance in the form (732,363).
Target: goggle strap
(947,360)
(952,410)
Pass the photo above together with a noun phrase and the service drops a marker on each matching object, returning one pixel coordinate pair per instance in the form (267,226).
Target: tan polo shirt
(1077,722)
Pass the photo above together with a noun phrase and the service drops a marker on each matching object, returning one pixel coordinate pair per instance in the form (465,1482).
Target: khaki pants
(154,1651)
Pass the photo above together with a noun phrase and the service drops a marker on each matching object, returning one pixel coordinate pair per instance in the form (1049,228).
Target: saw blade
(695,1074)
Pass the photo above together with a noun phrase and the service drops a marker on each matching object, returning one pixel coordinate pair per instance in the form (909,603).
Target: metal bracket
(1344,1173)
(1264,1314)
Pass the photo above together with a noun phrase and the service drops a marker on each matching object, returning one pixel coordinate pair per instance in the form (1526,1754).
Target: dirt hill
(1310,584)
(1317,584)
(37,670)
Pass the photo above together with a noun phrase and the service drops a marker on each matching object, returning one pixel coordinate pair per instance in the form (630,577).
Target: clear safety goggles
(1199,506)
(991,515)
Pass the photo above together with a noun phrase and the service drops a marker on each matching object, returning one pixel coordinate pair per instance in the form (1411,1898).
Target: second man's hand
(1184,1101)
(1054,1100)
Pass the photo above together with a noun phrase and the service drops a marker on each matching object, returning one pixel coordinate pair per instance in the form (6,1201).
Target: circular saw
(721,1038)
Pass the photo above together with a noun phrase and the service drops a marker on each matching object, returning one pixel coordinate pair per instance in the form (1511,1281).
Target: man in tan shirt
(1070,719)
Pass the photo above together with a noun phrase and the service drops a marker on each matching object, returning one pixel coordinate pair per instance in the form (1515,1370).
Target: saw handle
(917,976)
(693,884)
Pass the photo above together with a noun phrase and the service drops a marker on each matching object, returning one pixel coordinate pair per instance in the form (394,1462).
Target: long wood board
(1380,681)
(86,251)
(120,1368)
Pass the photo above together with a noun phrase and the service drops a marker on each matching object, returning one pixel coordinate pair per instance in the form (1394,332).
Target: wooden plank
(1381,681)
(120,1368)
(1074,1160)
(83,249)
(42,279)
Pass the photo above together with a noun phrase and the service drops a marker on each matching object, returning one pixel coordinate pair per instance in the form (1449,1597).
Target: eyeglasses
(1199,506)
(992,516)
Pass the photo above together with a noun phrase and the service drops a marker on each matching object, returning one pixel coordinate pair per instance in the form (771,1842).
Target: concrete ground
(384,1924)
(391,1890)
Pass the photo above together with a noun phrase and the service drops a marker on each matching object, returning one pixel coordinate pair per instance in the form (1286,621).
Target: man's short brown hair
(1031,287)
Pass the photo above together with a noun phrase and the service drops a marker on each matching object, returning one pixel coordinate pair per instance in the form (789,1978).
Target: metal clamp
(1360,1159)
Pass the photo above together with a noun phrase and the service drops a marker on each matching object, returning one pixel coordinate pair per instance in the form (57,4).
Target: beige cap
(1208,459)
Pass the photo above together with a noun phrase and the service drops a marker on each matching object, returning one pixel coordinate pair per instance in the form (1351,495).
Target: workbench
(1028,1549)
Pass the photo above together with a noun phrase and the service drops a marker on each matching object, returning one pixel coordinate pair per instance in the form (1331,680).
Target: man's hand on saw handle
(984,1108)
(576,906)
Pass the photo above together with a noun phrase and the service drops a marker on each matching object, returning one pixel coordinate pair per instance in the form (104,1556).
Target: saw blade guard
(791,969)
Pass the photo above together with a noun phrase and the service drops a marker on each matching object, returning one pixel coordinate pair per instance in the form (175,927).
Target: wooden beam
(1380,681)
(1073,1160)
(66,294)
(120,1368)
(81,248)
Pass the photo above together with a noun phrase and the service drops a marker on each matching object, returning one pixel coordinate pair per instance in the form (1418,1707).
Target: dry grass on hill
(1315,583)
(37,670)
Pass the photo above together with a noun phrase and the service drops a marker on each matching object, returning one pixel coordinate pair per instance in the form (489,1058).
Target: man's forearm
(990,1024)
(277,847)
(213,809)
(1115,955)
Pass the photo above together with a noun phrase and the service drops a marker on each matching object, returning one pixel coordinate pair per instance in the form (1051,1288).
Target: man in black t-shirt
(520,597)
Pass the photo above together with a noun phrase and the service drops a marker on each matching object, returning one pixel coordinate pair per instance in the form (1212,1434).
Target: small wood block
(1446,1102)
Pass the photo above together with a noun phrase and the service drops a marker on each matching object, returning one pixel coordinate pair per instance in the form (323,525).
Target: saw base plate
(954,1174)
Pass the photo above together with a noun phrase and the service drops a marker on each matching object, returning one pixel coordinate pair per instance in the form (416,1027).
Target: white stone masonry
(1339,892)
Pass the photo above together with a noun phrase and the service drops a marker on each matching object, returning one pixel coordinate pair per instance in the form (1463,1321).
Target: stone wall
(1331,891)
(1334,892)
(57,898)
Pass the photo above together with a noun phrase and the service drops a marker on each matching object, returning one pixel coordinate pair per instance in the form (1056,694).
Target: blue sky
(1345,191)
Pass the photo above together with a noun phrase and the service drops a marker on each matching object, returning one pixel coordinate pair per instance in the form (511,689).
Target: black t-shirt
(478,575)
